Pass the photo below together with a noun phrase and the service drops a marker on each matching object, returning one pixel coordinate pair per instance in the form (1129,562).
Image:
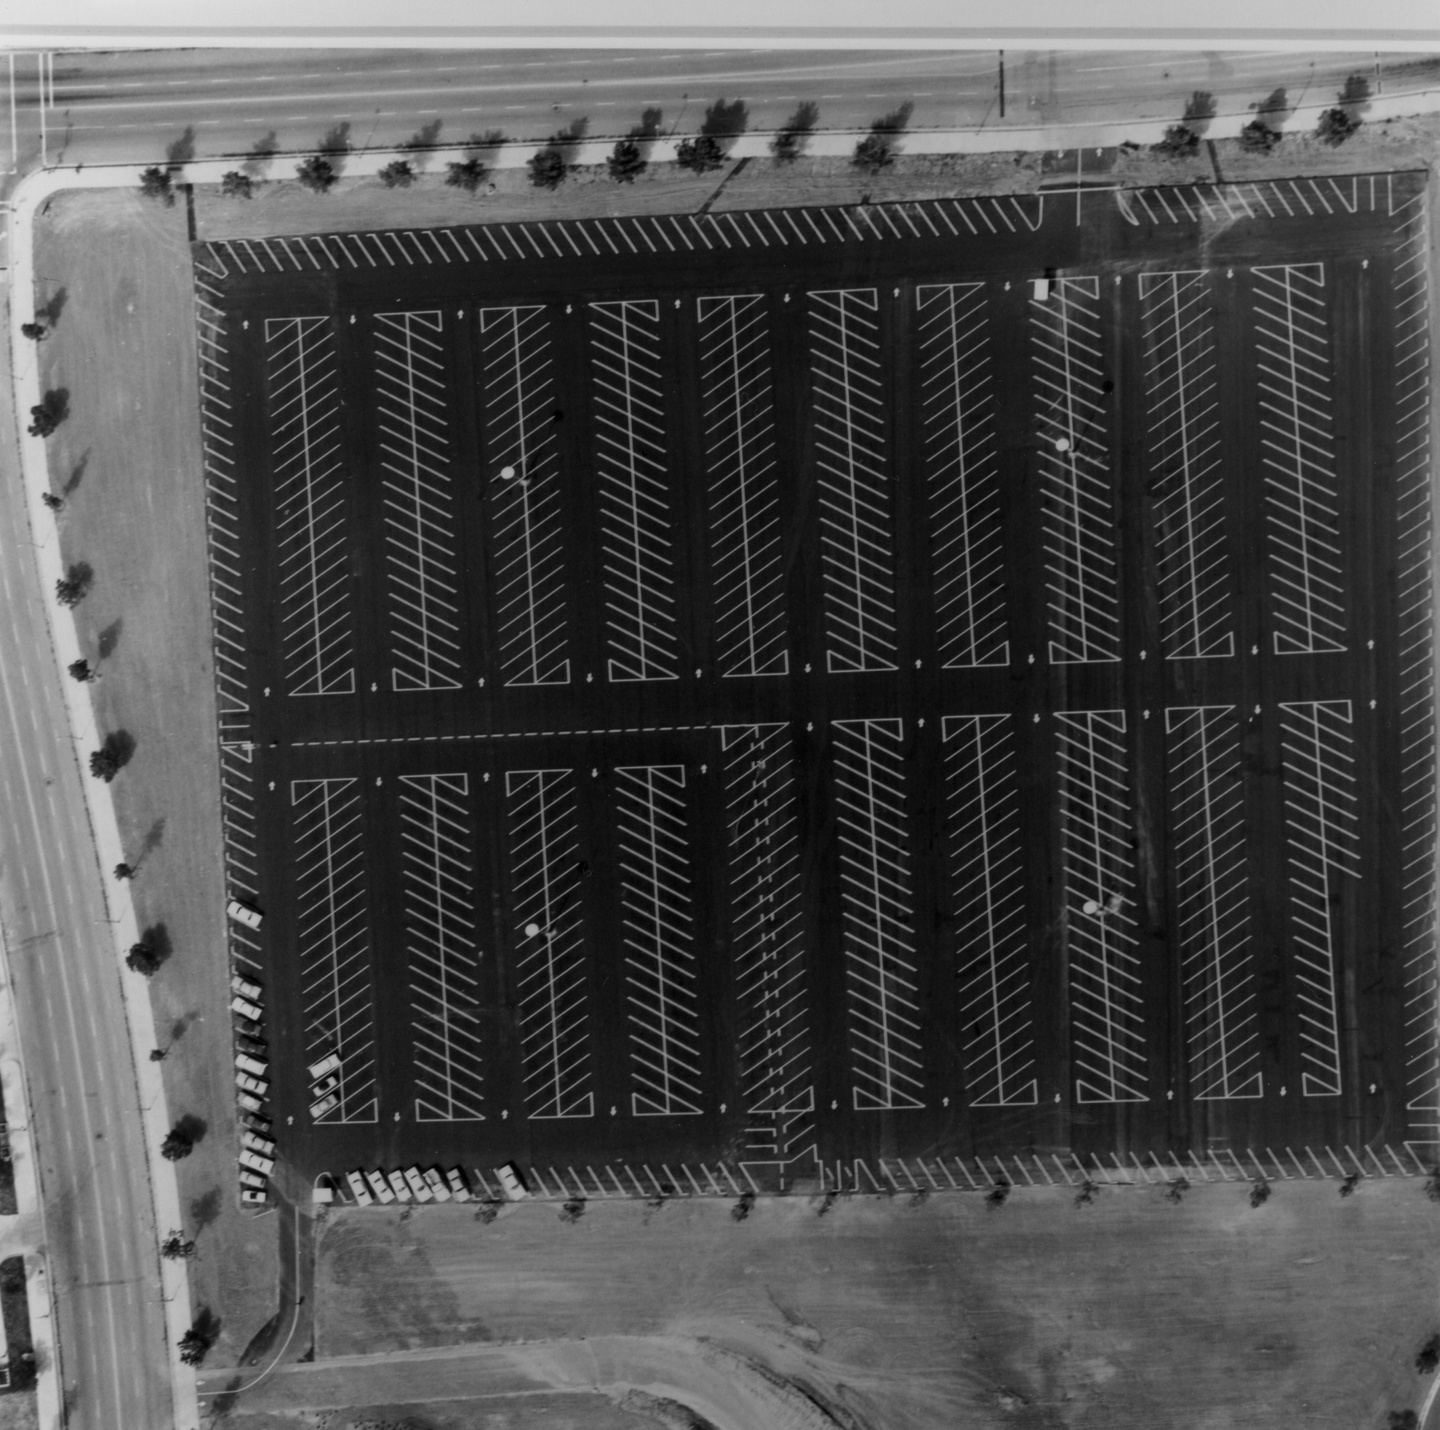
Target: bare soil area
(1132,1311)
(116,272)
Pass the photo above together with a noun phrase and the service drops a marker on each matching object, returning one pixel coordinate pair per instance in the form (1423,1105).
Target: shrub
(1348,1186)
(700,155)
(105,764)
(1175,1191)
(1335,126)
(398,174)
(1428,1357)
(486,1212)
(155,183)
(1258,137)
(467,174)
(236,185)
(573,1210)
(547,168)
(48,414)
(743,1207)
(1432,1185)
(69,591)
(193,1347)
(626,162)
(996,1196)
(317,174)
(177,1145)
(1260,1192)
(36,332)
(1087,1193)
(1180,142)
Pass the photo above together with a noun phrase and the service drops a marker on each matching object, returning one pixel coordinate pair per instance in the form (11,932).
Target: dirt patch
(19,1411)
(115,271)
(532,1411)
(1130,1311)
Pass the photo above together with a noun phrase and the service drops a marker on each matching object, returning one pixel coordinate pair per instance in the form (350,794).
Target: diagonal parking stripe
(748,576)
(1212,877)
(311,506)
(1293,345)
(527,548)
(1323,838)
(438,874)
(661,977)
(411,400)
(767,940)
(548,929)
(1183,447)
(332,938)
(857,556)
(992,934)
(637,544)
(962,474)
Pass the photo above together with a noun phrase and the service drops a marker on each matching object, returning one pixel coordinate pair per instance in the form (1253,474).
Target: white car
(256,1067)
(326,1104)
(328,1064)
(417,1186)
(251,1179)
(510,1180)
(249,1197)
(358,1190)
(249,1102)
(244,914)
(244,987)
(397,1185)
(246,1009)
(437,1186)
(458,1188)
(246,1083)
(380,1187)
(329,1085)
(257,1163)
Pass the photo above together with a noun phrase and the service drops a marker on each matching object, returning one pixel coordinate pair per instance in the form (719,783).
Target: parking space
(744,699)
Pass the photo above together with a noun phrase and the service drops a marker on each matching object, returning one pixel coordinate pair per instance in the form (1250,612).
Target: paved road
(132,107)
(95,1188)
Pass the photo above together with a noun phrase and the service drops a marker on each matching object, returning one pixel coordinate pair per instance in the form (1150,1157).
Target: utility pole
(1002,84)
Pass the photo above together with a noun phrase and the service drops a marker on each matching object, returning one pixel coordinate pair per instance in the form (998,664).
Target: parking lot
(831,694)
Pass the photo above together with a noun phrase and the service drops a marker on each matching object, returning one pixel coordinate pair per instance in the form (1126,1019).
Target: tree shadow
(425,137)
(154,838)
(566,143)
(54,306)
(223,1403)
(56,403)
(480,144)
(1199,111)
(181,1026)
(262,1341)
(261,153)
(1274,109)
(157,939)
(77,474)
(647,131)
(120,744)
(725,123)
(109,638)
(205,1209)
(182,150)
(192,1127)
(1354,98)
(335,144)
(207,1324)
(81,574)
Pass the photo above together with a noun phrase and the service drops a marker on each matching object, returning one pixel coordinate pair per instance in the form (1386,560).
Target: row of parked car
(252,1088)
(412,1184)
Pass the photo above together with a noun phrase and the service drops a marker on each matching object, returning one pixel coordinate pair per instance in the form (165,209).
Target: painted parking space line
(881,974)
(1182,418)
(1297,445)
(437,878)
(773,1045)
(992,934)
(638,553)
(332,938)
(311,506)
(1212,877)
(411,402)
(1078,515)
(661,975)
(857,542)
(522,477)
(548,934)
(1107,1007)
(745,536)
(962,475)
(1323,839)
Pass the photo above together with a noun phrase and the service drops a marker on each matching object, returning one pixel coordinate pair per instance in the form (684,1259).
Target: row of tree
(1262,133)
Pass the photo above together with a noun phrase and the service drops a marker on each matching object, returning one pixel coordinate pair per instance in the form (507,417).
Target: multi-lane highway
(119,108)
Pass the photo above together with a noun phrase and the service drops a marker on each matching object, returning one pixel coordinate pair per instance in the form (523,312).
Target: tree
(193,1347)
(790,139)
(877,150)
(317,174)
(398,174)
(124,871)
(237,185)
(1429,1357)
(158,1055)
(143,957)
(467,174)
(700,155)
(177,1145)
(52,502)
(1258,137)
(743,1207)
(155,183)
(573,1210)
(1087,1193)
(626,162)
(1260,1192)
(70,589)
(1335,126)
(1175,1191)
(36,332)
(80,670)
(1348,1186)
(105,763)
(995,1198)
(547,168)
(177,1247)
(48,414)
(1180,142)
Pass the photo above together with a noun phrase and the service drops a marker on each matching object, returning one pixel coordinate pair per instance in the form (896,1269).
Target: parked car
(254,1123)
(242,913)
(380,1187)
(249,1101)
(257,1163)
(328,1064)
(252,1179)
(326,1104)
(245,987)
(249,1197)
(359,1190)
(417,1186)
(436,1183)
(255,1085)
(257,1047)
(398,1187)
(254,1066)
(256,1143)
(511,1182)
(248,1026)
(458,1189)
(245,1008)
(329,1085)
